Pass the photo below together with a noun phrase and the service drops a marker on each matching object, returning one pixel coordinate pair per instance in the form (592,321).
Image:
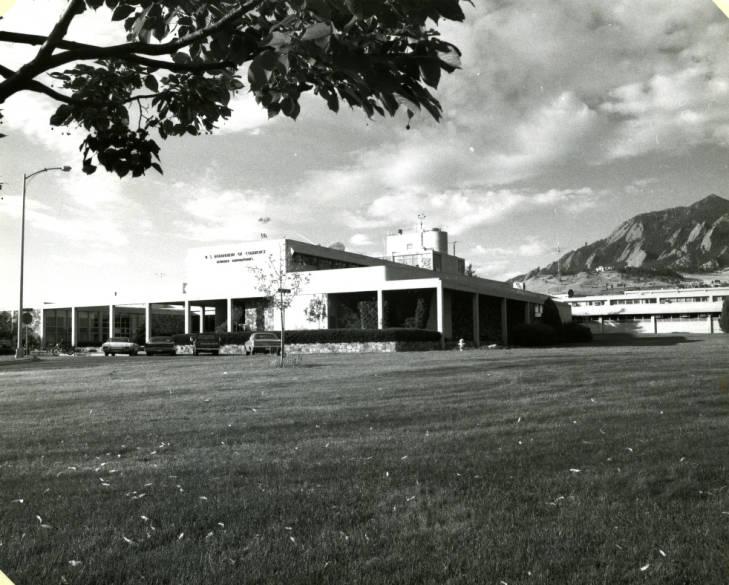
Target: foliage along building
(228,288)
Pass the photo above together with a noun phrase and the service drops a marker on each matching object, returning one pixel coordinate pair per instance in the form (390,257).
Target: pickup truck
(115,345)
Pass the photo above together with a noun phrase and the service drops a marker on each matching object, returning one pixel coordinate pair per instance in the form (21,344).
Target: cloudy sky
(568,117)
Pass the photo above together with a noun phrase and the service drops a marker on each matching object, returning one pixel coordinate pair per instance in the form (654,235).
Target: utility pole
(559,264)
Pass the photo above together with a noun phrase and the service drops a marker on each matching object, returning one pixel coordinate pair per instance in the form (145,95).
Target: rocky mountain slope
(681,239)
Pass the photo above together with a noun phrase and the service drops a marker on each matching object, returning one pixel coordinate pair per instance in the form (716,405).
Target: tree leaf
(316,31)
(151,83)
(320,8)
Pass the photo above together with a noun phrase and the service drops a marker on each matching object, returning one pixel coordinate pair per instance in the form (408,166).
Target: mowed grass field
(585,465)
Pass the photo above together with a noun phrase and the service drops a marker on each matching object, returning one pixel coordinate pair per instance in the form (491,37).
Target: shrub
(236,338)
(360,335)
(533,335)
(724,317)
(367,314)
(550,314)
(575,333)
(421,313)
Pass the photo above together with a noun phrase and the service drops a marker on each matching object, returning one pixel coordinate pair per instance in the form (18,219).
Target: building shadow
(630,339)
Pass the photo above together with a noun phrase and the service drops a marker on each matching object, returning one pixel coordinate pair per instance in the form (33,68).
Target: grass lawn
(589,465)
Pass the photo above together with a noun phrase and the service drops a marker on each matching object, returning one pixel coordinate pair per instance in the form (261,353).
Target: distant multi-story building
(674,310)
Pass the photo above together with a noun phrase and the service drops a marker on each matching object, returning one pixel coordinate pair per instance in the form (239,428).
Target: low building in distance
(417,284)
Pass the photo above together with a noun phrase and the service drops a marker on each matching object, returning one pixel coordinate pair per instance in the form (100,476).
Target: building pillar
(202,319)
(380,309)
(111,320)
(711,324)
(602,324)
(147,322)
(440,317)
(527,313)
(504,321)
(475,315)
(42,328)
(187,317)
(73,327)
(654,324)
(229,315)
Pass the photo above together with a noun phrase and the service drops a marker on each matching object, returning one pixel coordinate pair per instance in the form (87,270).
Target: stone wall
(358,347)
(363,347)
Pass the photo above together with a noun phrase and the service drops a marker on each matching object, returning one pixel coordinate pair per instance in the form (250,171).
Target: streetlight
(19,352)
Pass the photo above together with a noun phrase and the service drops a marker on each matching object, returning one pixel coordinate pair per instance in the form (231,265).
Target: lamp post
(19,352)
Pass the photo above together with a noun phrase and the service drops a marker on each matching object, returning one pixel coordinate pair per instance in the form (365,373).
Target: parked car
(263,341)
(161,345)
(6,346)
(115,345)
(206,343)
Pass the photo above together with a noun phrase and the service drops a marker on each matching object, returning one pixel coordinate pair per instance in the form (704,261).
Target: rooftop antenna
(421,217)
(454,242)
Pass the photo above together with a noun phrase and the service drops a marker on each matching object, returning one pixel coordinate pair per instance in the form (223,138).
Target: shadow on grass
(628,339)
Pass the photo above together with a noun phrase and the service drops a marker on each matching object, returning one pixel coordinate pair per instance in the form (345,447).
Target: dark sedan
(163,345)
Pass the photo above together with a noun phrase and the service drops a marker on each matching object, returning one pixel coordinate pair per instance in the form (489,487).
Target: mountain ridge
(693,238)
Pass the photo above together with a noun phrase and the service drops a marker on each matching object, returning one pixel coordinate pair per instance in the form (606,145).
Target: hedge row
(360,335)
(327,336)
(540,335)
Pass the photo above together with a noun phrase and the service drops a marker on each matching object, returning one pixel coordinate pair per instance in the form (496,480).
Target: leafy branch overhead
(184,59)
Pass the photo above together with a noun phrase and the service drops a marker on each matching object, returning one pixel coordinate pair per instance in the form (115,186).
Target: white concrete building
(675,310)
(336,289)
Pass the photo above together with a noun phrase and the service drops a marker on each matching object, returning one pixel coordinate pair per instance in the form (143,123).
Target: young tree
(724,317)
(181,63)
(280,288)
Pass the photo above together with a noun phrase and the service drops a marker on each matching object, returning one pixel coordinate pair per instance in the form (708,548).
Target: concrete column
(380,309)
(440,313)
(654,324)
(229,315)
(147,322)
(475,315)
(73,327)
(602,324)
(504,322)
(711,324)
(187,317)
(111,320)
(42,328)
(202,319)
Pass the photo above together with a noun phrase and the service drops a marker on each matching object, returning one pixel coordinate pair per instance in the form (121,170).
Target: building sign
(235,256)
(208,268)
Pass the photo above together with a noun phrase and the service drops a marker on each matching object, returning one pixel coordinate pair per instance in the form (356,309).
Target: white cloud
(360,240)
(247,115)
(464,210)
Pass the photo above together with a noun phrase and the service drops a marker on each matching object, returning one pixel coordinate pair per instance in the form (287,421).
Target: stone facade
(359,347)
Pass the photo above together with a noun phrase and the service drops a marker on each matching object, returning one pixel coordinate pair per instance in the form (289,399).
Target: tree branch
(38,87)
(59,31)
(119,51)
(22,78)
(177,67)
(26,39)
(21,38)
